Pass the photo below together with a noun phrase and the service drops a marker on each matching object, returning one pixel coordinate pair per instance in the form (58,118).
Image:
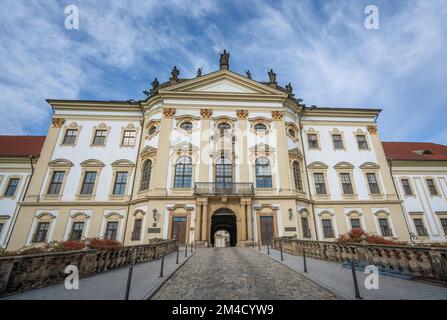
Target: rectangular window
(431,186)
(372,182)
(129,138)
(100,137)
(70,136)
(1,228)
(407,187)
(112,229)
(355,224)
(76,230)
(346,183)
(136,233)
(338,142)
(320,186)
(120,183)
(89,182)
(12,187)
(444,225)
(385,228)
(420,228)
(41,232)
(305,225)
(312,140)
(327,228)
(56,182)
(361,141)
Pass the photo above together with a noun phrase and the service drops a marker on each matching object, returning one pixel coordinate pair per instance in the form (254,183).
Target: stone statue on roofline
(174,73)
(199,72)
(224,60)
(272,77)
(248,73)
(155,84)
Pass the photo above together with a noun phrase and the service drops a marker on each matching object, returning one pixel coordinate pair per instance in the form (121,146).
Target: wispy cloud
(319,46)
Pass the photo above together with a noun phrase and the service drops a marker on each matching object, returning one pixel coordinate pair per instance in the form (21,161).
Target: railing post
(268,250)
(178,249)
(259,245)
(191,247)
(280,247)
(304,259)
(186,249)
(354,278)
(162,265)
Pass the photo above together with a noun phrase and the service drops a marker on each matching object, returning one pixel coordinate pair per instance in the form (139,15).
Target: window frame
(297,176)
(73,230)
(385,232)
(317,143)
(132,139)
(410,189)
(122,185)
(264,180)
(103,137)
(136,234)
(324,228)
(44,231)
(66,136)
(92,184)
(6,193)
(421,231)
(357,135)
(114,231)
(341,145)
(316,183)
(60,183)
(435,188)
(376,183)
(146,173)
(346,184)
(185,174)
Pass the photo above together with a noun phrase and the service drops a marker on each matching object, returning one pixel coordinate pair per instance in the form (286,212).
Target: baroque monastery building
(220,159)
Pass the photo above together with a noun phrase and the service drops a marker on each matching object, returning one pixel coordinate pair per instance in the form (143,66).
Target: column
(198,224)
(40,171)
(285,177)
(250,220)
(242,146)
(164,142)
(205,222)
(244,222)
(205,124)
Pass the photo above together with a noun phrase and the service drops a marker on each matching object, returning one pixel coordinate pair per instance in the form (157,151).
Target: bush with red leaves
(104,244)
(357,235)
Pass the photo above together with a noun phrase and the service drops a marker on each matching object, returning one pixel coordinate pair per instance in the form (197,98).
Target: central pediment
(223,82)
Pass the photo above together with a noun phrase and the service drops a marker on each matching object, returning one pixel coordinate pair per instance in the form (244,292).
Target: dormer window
(423,152)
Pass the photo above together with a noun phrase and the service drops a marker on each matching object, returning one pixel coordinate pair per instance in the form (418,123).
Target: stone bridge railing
(18,273)
(429,262)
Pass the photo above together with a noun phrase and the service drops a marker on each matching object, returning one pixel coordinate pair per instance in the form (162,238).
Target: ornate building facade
(218,152)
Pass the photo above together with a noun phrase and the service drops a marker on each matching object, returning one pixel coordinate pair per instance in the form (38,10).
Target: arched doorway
(224,219)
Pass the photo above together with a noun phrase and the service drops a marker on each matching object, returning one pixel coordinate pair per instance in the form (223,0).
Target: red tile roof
(21,146)
(413,151)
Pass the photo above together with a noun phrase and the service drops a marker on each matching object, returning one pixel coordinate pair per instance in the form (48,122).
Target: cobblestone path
(237,273)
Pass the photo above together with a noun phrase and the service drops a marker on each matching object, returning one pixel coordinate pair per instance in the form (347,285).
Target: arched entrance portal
(224,219)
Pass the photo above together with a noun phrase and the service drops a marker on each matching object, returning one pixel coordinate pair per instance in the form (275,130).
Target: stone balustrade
(19,273)
(405,260)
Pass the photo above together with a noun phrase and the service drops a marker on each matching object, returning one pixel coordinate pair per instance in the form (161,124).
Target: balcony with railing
(230,189)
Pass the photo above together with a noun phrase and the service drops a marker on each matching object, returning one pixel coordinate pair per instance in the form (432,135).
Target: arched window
(183,173)
(146,175)
(297,176)
(223,127)
(224,173)
(263,173)
(187,126)
(260,127)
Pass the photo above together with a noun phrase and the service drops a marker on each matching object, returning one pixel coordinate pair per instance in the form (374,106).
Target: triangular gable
(185,146)
(223,81)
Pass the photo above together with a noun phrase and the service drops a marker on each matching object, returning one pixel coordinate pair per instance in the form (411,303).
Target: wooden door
(179,229)
(267,229)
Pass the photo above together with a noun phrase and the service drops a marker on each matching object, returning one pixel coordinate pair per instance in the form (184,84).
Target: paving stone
(238,273)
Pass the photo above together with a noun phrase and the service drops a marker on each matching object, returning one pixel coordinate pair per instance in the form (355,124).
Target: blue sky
(321,47)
